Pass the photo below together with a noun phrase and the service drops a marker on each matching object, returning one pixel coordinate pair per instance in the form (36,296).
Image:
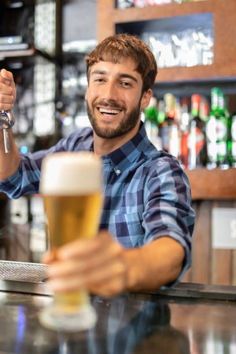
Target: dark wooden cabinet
(223,17)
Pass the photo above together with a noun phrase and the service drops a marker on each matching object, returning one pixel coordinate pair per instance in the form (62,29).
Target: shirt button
(118,172)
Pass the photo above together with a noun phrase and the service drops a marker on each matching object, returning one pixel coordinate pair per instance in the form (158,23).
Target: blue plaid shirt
(147,194)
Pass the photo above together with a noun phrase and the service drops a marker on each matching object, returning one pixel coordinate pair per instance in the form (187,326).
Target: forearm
(9,162)
(153,265)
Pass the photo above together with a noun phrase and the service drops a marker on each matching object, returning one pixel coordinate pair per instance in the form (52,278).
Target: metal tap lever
(6,121)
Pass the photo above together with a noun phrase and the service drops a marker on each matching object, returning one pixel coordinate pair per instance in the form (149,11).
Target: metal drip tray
(23,277)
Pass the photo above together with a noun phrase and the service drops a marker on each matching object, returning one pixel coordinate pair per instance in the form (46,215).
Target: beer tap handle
(6,122)
(6,140)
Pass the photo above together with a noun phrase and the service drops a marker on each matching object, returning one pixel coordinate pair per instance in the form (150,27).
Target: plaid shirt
(147,194)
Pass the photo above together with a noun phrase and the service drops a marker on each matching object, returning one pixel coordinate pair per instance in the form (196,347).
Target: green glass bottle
(151,122)
(211,130)
(232,140)
(151,112)
(217,131)
(222,132)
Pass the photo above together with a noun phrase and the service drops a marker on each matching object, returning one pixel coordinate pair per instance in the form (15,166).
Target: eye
(99,79)
(126,84)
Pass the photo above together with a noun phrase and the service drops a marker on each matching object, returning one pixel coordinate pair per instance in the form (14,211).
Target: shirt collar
(122,158)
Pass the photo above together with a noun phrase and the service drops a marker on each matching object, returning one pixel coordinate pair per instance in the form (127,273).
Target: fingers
(85,247)
(85,264)
(79,248)
(96,265)
(7,90)
(106,281)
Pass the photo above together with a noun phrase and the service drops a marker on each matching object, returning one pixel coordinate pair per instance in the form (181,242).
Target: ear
(146,98)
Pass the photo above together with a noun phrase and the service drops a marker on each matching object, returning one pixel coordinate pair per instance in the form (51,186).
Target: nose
(109,90)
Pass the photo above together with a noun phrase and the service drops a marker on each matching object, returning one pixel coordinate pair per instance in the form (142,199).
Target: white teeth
(109,111)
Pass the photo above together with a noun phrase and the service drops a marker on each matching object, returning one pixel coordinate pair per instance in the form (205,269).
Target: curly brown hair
(119,46)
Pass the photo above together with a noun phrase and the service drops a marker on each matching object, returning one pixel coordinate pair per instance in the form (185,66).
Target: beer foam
(71,173)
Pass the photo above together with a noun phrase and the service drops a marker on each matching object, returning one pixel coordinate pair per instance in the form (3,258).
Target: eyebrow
(121,75)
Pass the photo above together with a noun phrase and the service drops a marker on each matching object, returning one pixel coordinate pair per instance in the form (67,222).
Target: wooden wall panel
(234,268)
(210,266)
(202,243)
(221,262)
(200,271)
(221,266)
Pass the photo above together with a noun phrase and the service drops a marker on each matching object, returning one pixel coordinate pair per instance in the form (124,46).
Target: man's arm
(105,268)
(154,265)
(9,162)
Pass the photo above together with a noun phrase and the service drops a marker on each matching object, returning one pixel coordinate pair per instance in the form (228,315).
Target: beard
(125,126)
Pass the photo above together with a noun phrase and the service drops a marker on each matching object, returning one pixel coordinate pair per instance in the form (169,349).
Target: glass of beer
(71,186)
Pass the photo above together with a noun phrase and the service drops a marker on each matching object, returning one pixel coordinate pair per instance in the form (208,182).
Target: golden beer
(71,189)
(72,217)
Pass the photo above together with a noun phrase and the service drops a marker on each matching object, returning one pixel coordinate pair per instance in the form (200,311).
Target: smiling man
(114,103)
(147,221)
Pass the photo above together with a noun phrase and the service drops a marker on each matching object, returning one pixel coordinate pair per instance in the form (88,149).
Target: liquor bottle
(217,131)
(169,127)
(161,112)
(232,140)
(174,131)
(222,132)
(161,122)
(197,137)
(151,122)
(211,131)
(184,133)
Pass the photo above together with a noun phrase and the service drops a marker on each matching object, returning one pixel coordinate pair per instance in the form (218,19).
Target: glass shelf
(184,41)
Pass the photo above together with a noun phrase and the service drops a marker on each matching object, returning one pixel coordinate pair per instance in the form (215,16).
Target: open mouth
(109,111)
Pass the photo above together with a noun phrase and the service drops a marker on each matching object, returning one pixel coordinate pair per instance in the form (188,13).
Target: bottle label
(195,143)
(233,151)
(212,151)
(221,130)
(211,129)
(221,148)
(233,128)
(174,141)
(198,140)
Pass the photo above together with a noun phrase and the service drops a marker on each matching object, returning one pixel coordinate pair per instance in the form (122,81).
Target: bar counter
(190,318)
(187,319)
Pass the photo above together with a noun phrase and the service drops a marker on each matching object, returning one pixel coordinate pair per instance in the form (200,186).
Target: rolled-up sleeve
(26,179)
(168,210)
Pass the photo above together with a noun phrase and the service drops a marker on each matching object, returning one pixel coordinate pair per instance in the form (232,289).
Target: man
(144,240)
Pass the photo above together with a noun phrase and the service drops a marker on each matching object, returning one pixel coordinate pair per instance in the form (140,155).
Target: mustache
(109,103)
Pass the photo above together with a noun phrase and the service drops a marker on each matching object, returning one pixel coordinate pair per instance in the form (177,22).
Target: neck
(103,146)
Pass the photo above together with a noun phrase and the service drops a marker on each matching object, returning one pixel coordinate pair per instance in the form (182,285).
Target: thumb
(6,74)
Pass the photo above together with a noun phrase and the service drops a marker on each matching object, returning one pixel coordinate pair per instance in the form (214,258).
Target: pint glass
(71,186)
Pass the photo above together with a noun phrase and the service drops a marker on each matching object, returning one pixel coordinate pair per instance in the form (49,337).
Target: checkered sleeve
(168,209)
(26,179)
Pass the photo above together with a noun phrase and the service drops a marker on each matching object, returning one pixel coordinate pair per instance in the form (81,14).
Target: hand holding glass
(71,185)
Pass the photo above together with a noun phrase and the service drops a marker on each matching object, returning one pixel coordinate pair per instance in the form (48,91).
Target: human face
(114,98)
